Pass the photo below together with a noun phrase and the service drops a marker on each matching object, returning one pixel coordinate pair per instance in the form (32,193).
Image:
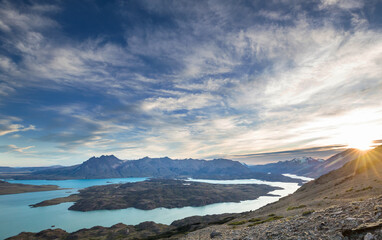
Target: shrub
(307,212)
(257,221)
(237,223)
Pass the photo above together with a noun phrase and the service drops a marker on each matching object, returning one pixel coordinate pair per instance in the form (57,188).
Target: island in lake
(12,188)
(157,193)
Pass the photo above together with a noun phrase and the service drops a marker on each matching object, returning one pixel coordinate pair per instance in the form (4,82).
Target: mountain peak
(103,159)
(306,159)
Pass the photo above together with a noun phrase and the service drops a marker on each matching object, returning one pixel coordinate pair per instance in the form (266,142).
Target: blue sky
(255,81)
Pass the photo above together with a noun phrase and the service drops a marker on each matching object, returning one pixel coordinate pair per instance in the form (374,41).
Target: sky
(254,81)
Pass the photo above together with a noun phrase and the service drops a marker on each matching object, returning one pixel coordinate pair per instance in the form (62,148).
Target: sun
(360,142)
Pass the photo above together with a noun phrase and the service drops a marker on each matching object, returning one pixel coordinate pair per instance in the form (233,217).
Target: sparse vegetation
(349,190)
(306,213)
(237,223)
(295,207)
(364,189)
(257,221)
(254,220)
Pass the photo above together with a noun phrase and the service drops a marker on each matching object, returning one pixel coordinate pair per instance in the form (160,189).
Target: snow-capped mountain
(295,166)
(308,166)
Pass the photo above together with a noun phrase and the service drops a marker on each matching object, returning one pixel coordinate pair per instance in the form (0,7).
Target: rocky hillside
(358,220)
(346,202)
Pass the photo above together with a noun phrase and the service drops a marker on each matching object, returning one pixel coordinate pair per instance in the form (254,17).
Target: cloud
(185,102)
(343,4)
(192,80)
(8,125)
(14,148)
(275,15)
(295,151)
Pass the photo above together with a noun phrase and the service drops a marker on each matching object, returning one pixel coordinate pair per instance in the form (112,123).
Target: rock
(215,234)
(320,226)
(369,236)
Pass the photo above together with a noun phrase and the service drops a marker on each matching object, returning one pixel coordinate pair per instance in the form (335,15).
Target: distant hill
(112,167)
(308,166)
(299,166)
(24,169)
(334,162)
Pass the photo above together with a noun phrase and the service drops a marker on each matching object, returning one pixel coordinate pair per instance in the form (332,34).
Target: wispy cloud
(188,79)
(9,125)
(14,148)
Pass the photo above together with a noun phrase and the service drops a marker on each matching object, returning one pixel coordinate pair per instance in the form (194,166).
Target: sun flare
(360,142)
(363,146)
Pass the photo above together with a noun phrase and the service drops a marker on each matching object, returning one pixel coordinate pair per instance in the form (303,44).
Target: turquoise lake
(16,216)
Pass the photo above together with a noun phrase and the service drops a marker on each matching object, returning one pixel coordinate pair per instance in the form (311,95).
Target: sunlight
(361,144)
(359,128)
(360,140)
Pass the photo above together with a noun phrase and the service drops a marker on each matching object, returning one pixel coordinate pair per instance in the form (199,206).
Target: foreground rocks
(145,230)
(159,193)
(118,231)
(12,188)
(356,220)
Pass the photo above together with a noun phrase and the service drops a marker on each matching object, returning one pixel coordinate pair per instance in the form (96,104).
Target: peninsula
(12,188)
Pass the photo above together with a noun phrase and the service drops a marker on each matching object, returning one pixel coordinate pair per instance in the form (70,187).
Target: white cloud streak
(227,89)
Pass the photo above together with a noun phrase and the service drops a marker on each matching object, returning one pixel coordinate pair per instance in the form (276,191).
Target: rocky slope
(159,193)
(145,230)
(336,204)
(356,220)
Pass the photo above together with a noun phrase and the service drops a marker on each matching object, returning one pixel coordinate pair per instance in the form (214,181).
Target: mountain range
(109,166)
(112,167)
(308,166)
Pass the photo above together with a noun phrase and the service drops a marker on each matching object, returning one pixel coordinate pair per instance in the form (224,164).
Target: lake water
(307,179)
(16,215)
